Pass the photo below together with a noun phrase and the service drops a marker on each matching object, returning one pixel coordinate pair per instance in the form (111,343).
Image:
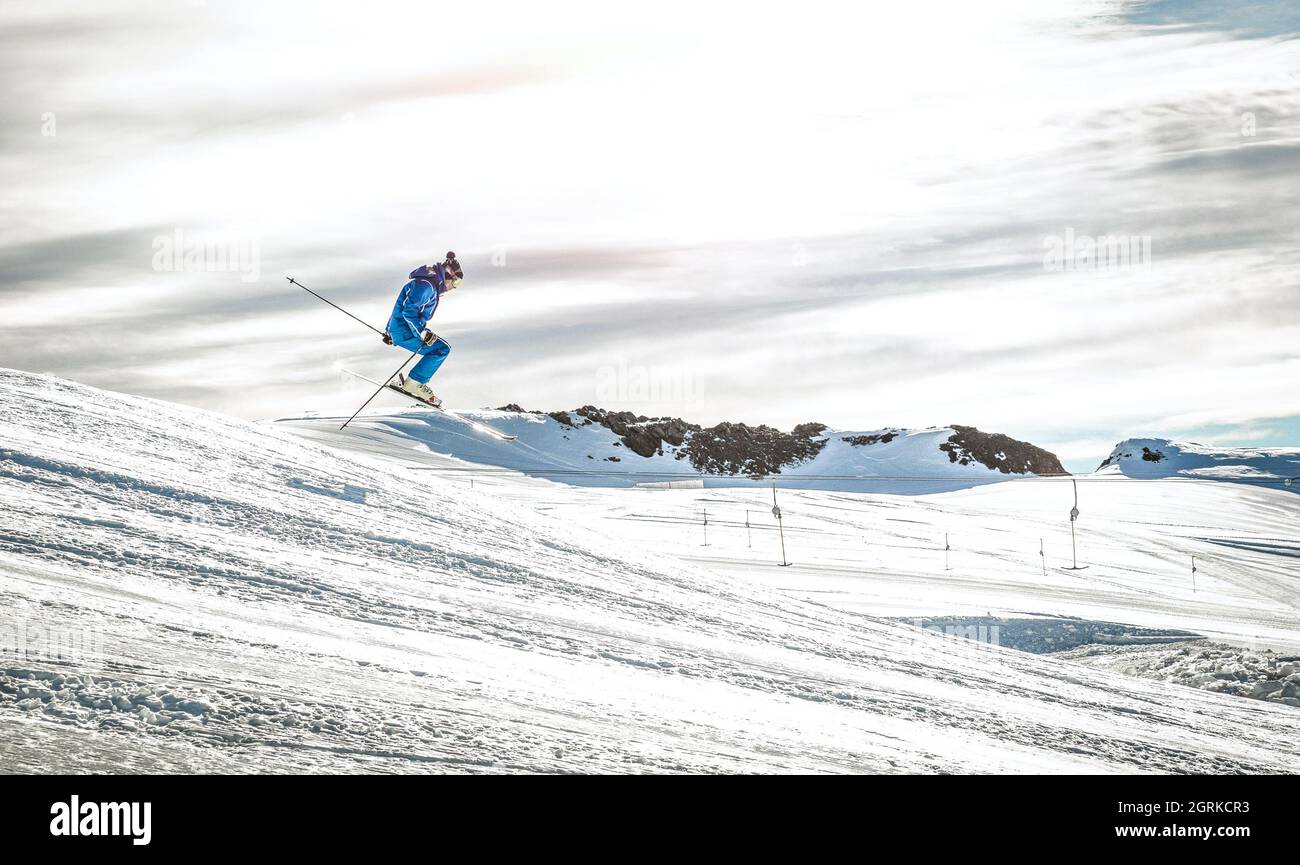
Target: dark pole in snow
(1074,515)
(749,535)
(706,527)
(776,512)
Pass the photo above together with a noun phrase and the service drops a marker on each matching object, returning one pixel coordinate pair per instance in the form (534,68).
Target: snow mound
(1262,675)
(1162,458)
(185,592)
(592,447)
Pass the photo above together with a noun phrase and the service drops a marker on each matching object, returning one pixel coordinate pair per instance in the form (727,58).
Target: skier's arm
(419,298)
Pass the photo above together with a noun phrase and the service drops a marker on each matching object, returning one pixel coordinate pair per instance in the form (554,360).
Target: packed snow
(185,592)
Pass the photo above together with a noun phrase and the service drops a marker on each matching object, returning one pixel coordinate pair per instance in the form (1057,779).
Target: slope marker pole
(776,512)
(1074,515)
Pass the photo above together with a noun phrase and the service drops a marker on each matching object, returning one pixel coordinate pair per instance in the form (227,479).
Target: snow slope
(185,592)
(880,554)
(589,454)
(1162,458)
(884,554)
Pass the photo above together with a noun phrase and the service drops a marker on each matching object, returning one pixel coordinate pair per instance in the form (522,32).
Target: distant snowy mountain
(1162,458)
(593,447)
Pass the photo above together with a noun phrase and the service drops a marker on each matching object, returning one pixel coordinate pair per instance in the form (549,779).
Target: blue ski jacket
(416,302)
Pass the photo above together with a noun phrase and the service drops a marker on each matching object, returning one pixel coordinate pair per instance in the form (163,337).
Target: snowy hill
(592,447)
(1162,458)
(186,592)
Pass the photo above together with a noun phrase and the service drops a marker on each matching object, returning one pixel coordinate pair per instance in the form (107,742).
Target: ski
(481,427)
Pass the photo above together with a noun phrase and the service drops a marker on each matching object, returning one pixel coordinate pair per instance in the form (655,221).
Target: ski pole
(381,387)
(333,304)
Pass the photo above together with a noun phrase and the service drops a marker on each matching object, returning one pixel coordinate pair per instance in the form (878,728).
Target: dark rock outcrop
(968,445)
(642,435)
(760,451)
(1148,455)
(754,451)
(871,439)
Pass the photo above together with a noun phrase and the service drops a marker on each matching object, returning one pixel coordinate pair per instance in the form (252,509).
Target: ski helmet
(452,270)
(453,266)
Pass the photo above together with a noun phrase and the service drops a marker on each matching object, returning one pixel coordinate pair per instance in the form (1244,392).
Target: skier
(411,313)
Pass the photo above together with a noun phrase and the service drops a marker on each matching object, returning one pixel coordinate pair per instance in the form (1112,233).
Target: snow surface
(234,597)
(591,455)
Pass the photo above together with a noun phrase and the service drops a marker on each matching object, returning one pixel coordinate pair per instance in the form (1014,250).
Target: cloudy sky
(863,216)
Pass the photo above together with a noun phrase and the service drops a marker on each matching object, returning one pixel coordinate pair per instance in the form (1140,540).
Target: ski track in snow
(248,612)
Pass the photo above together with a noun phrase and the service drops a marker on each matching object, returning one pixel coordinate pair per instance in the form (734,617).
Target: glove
(388,339)
(429,337)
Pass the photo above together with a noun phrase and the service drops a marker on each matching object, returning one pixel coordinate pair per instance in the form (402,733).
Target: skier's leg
(434,355)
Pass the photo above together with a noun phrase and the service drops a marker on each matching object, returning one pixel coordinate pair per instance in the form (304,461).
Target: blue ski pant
(433,355)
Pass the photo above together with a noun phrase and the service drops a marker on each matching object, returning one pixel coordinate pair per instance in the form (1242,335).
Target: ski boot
(420,391)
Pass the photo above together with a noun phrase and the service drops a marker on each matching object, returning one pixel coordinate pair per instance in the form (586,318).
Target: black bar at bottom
(944,816)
